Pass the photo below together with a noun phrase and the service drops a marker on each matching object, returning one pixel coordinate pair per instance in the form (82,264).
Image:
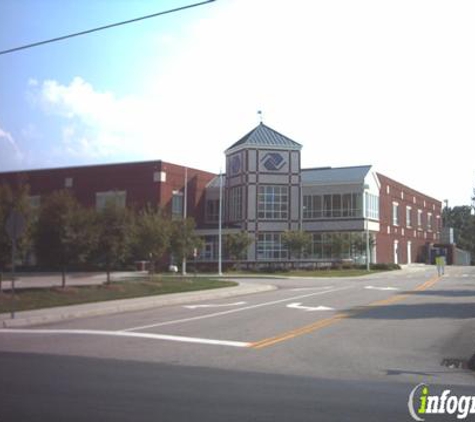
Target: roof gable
(329,175)
(264,136)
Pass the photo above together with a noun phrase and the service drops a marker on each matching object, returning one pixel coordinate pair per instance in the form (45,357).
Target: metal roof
(215,183)
(329,175)
(264,136)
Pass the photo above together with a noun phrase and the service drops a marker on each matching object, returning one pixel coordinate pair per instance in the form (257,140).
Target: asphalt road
(315,349)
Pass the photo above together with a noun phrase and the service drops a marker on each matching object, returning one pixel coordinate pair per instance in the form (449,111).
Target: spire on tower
(259,113)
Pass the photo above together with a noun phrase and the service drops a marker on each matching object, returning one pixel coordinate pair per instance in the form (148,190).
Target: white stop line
(150,336)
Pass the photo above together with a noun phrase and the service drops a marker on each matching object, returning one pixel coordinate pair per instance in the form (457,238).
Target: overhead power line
(101,28)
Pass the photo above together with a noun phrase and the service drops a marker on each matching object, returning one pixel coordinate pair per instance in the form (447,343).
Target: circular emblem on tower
(235,164)
(273,161)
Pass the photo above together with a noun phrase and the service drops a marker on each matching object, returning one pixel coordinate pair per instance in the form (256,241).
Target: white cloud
(367,82)
(95,124)
(10,154)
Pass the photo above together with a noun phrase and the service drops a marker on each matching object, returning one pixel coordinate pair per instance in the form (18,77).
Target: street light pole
(367,247)
(185,205)
(220,227)
(366,223)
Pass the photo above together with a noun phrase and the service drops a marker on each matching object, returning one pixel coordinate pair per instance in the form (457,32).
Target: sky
(386,83)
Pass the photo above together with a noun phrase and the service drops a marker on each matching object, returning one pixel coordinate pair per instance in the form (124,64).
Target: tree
(13,199)
(152,236)
(297,242)
(114,229)
(64,234)
(463,222)
(236,245)
(340,243)
(184,240)
(460,218)
(6,202)
(358,244)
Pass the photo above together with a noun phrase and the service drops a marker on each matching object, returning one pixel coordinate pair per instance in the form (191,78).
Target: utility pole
(185,204)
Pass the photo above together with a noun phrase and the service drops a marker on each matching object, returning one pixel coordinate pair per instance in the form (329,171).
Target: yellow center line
(307,329)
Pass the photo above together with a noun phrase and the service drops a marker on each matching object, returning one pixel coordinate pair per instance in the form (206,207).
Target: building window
(210,248)
(312,206)
(68,182)
(395,214)
(35,201)
(419,218)
(356,207)
(327,206)
(337,245)
(212,210)
(348,205)
(269,247)
(159,176)
(372,206)
(335,206)
(273,202)
(115,197)
(429,221)
(177,204)
(409,217)
(317,246)
(235,204)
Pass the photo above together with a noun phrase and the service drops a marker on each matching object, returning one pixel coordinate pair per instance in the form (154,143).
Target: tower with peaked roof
(351,214)
(263,189)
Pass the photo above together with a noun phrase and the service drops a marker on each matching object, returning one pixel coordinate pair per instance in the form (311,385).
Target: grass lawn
(330,273)
(27,299)
(306,273)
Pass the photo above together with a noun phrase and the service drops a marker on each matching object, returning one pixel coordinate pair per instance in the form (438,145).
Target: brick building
(132,184)
(410,222)
(266,192)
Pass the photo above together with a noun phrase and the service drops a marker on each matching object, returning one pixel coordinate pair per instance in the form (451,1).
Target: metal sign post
(15,226)
(13,278)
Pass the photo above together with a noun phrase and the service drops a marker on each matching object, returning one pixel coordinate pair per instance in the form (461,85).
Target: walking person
(440,263)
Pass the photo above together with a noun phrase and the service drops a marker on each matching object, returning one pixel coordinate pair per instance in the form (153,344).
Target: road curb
(63,313)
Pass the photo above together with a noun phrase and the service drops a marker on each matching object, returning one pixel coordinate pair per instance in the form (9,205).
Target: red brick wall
(137,179)
(175,181)
(418,236)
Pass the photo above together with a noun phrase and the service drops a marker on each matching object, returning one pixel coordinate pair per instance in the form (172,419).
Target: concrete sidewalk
(48,280)
(60,313)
